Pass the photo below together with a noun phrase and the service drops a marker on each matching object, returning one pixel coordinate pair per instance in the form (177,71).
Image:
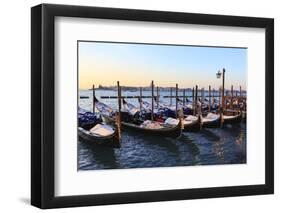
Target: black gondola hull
(213,124)
(173,132)
(193,127)
(236,119)
(109,141)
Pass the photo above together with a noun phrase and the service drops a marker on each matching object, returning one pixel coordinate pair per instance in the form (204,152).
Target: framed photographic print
(140,106)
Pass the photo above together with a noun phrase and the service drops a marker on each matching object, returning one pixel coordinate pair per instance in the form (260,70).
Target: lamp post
(219,74)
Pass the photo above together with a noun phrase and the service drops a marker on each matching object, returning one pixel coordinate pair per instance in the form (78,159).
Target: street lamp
(219,74)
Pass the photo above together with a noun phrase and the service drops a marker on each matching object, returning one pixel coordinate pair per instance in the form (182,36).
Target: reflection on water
(208,147)
(225,145)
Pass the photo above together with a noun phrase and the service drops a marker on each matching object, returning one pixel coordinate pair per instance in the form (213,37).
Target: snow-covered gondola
(130,119)
(94,132)
(231,117)
(212,120)
(191,123)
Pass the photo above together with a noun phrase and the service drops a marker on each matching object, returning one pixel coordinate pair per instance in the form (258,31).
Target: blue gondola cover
(87,117)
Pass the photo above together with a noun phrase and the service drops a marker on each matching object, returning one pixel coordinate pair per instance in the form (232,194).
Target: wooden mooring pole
(223,78)
(176,100)
(152,100)
(119,96)
(202,94)
(157,97)
(171,93)
(209,98)
(195,100)
(240,91)
(94,100)
(231,99)
(213,98)
(221,105)
(183,101)
(220,100)
(140,100)
(118,116)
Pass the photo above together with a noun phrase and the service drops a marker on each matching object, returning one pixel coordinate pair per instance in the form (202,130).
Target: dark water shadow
(169,144)
(184,150)
(231,127)
(189,146)
(237,131)
(190,143)
(209,135)
(102,156)
(227,144)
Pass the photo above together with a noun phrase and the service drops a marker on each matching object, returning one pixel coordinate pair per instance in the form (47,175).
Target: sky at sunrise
(103,63)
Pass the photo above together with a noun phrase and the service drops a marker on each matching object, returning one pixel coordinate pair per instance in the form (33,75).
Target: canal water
(226,145)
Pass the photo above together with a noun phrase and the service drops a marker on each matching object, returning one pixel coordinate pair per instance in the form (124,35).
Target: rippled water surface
(225,145)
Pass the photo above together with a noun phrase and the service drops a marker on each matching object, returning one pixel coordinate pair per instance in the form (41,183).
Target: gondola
(231,117)
(156,128)
(92,131)
(187,108)
(107,113)
(188,102)
(212,120)
(205,108)
(191,123)
(167,129)
(130,120)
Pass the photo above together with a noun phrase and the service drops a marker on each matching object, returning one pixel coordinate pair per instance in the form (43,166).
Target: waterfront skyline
(103,63)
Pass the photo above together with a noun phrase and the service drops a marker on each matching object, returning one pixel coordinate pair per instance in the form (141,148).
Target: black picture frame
(43,117)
